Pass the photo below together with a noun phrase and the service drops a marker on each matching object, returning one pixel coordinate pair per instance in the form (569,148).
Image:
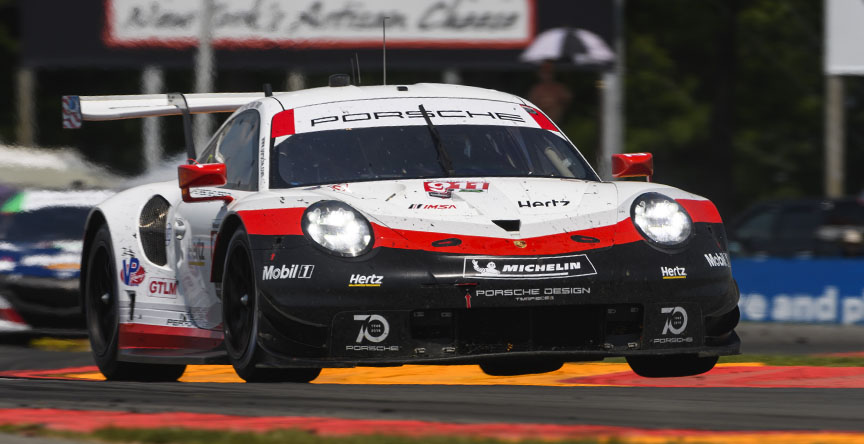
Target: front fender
(120,214)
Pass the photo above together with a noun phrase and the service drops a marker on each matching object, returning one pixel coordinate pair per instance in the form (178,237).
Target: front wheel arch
(103,318)
(95,221)
(220,247)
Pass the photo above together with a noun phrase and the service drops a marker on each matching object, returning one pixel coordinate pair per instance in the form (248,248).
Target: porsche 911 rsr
(390,225)
(40,248)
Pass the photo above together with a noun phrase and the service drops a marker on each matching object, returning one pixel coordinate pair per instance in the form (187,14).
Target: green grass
(808,360)
(60,344)
(786,360)
(187,436)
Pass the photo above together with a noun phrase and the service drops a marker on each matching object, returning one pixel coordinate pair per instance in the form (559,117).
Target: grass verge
(785,360)
(60,344)
(806,360)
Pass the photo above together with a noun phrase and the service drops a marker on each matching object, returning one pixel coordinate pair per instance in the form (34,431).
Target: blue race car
(41,235)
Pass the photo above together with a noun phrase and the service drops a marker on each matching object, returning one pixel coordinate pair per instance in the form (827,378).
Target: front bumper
(407,306)
(45,302)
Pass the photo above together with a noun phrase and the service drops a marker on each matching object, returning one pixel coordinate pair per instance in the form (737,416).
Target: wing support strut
(179,100)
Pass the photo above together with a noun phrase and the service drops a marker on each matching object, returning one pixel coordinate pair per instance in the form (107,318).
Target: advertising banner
(320,24)
(313,36)
(801,290)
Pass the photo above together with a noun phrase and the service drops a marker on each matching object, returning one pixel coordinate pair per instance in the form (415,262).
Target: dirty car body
(414,224)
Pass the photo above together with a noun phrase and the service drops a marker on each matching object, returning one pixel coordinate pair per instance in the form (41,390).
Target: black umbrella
(570,45)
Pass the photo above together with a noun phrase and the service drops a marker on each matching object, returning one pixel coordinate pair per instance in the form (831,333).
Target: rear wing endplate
(77,109)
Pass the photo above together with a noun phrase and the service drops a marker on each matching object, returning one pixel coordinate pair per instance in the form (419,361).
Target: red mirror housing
(202,175)
(633,165)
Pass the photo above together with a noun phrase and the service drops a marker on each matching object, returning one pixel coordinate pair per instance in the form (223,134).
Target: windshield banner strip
(405,112)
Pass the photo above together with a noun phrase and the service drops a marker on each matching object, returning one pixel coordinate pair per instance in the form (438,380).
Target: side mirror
(202,175)
(633,165)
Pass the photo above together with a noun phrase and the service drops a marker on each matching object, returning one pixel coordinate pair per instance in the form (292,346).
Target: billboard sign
(828,291)
(844,32)
(313,36)
(322,24)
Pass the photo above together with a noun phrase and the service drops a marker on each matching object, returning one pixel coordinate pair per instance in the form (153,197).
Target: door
(196,224)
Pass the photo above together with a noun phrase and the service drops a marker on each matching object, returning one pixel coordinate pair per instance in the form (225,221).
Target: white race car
(388,225)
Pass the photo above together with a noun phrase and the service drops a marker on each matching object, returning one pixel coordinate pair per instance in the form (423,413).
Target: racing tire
(671,366)
(102,313)
(514,367)
(240,314)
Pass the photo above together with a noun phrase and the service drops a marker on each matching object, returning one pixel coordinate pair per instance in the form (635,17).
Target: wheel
(101,309)
(521,366)
(240,319)
(670,366)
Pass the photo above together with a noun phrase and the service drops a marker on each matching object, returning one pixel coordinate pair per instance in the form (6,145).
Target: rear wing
(77,109)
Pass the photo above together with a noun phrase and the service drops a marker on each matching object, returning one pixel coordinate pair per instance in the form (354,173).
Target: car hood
(508,208)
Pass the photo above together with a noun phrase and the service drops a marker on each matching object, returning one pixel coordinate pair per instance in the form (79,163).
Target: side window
(236,146)
(758,226)
(842,231)
(798,222)
(209,153)
(846,213)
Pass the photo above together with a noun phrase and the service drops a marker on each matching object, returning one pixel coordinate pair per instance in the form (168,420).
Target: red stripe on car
(286,221)
(137,336)
(283,124)
(540,118)
(9,314)
(275,221)
(701,210)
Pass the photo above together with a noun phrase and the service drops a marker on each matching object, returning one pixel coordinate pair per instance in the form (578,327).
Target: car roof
(317,96)
(825,202)
(31,200)
(820,205)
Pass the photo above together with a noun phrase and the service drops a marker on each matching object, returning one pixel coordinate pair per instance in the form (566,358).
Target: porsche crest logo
(520,244)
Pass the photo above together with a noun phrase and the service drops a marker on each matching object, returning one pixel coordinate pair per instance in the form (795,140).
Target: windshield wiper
(443,157)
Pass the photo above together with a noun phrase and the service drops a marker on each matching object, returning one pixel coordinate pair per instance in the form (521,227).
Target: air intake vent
(584,239)
(151,227)
(450,242)
(508,225)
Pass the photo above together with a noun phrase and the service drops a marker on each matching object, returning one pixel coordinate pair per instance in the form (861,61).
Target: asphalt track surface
(698,408)
(644,407)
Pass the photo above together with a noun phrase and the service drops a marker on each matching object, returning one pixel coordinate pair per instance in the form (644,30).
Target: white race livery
(385,225)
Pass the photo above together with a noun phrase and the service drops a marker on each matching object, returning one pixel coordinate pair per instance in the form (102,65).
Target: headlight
(338,228)
(661,220)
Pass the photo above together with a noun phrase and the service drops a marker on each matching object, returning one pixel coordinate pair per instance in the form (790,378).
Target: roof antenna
(268,90)
(357,61)
(353,72)
(384,43)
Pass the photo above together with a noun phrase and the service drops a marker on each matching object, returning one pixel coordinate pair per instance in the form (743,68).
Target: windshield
(409,152)
(47,224)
